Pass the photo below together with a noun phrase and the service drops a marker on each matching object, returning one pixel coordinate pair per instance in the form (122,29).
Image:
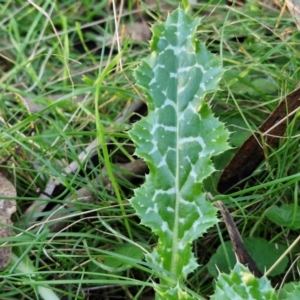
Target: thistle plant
(177,140)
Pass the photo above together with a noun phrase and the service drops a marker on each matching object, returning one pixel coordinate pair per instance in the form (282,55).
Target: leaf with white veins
(177,140)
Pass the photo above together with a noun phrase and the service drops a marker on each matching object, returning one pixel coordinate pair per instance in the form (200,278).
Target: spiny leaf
(241,284)
(290,291)
(177,140)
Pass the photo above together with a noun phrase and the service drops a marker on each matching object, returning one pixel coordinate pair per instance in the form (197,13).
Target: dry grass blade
(294,8)
(239,248)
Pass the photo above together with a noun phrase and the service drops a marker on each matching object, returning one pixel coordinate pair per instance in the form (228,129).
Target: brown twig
(239,248)
(251,153)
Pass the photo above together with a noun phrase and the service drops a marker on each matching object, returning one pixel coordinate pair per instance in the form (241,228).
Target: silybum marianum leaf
(241,284)
(177,140)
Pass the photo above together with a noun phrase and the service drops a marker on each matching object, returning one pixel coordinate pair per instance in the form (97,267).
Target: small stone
(7,208)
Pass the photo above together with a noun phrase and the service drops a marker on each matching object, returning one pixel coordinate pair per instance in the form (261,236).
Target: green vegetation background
(64,78)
